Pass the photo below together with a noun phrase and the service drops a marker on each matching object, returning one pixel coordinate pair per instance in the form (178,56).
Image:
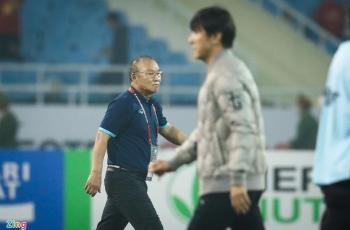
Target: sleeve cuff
(107,132)
(174,164)
(167,125)
(238,178)
(177,161)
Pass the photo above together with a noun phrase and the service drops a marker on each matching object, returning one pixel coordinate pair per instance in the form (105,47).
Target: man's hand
(93,183)
(159,167)
(240,200)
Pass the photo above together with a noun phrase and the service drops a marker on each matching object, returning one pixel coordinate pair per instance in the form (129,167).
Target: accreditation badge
(154,155)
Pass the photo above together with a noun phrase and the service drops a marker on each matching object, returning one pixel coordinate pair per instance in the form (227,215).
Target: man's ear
(217,37)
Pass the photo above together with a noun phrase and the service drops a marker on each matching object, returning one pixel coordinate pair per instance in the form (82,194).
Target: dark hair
(304,102)
(214,20)
(113,16)
(133,66)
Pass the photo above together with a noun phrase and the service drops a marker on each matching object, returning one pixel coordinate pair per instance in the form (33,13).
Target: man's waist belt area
(116,168)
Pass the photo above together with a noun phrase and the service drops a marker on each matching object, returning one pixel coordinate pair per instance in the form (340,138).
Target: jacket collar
(221,56)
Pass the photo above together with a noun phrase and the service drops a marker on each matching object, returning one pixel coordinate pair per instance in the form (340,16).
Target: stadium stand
(75,32)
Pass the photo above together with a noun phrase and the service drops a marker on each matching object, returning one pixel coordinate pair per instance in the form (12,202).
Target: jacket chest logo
(330,96)
(236,101)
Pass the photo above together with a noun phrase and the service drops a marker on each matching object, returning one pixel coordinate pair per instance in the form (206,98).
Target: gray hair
(135,62)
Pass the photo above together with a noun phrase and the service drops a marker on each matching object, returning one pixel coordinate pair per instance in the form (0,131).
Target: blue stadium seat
(56,31)
(17,77)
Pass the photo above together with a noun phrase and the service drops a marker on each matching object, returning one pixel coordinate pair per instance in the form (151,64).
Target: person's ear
(216,38)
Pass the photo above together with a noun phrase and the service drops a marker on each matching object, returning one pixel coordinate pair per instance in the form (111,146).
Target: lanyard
(149,129)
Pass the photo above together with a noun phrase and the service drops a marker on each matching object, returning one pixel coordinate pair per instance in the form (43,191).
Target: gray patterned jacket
(229,141)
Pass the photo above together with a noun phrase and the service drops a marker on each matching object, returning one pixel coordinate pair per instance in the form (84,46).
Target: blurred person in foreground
(129,133)
(332,159)
(8,125)
(228,142)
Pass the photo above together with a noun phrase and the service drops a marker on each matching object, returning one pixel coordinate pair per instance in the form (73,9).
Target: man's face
(201,43)
(148,76)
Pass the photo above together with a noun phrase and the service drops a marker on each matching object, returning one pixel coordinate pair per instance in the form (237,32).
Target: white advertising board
(49,127)
(290,202)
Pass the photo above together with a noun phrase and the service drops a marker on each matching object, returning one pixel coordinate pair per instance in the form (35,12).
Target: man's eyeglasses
(151,74)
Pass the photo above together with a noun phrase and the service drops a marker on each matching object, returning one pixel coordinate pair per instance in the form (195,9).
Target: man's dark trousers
(337,213)
(127,202)
(215,212)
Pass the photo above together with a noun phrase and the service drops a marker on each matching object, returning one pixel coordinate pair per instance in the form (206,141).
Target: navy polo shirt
(126,124)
